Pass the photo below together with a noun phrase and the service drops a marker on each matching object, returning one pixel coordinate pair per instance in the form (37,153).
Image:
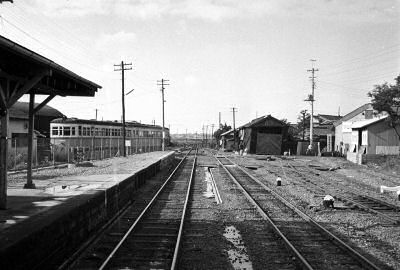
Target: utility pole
(206,135)
(202,139)
(212,134)
(311,98)
(219,114)
(234,128)
(163,83)
(303,112)
(122,67)
(96,114)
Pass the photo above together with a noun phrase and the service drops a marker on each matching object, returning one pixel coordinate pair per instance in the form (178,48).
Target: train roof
(104,123)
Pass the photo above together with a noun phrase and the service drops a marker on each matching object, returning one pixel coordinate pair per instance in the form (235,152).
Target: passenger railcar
(80,139)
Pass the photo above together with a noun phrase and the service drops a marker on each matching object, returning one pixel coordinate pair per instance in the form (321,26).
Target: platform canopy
(23,71)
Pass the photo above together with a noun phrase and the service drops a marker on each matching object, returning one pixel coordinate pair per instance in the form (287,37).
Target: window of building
(67,131)
(73,131)
(80,130)
(54,131)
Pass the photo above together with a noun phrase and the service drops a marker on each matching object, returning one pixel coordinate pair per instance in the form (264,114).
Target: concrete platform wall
(56,234)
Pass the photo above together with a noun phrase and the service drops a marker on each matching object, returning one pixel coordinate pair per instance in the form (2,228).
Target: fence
(48,152)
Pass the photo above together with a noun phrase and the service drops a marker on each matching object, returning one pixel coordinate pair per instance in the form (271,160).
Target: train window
(67,131)
(79,130)
(54,131)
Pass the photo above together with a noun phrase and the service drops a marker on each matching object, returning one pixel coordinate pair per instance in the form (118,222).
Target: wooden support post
(3,159)
(29,183)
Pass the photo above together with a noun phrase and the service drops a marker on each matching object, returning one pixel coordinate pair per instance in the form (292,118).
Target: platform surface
(56,186)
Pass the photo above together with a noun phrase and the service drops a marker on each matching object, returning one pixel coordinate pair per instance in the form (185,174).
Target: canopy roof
(19,66)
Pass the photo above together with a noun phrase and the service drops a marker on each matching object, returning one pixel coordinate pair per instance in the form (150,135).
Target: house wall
(343,131)
(382,139)
(17,126)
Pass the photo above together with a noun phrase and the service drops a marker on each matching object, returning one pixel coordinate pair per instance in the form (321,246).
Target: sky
(250,55)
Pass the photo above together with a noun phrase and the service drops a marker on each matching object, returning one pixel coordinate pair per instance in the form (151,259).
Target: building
(372,138)
(18,126)
(343,127)
(263,135)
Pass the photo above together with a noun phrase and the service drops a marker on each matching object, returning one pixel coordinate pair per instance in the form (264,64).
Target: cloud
(116,46)
(72,8)
(215,11)
(190,80)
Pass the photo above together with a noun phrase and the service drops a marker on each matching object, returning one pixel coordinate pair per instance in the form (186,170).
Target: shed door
(269,144)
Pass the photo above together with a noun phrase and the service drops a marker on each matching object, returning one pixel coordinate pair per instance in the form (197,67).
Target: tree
(386,98)
(303,123)
(222,129)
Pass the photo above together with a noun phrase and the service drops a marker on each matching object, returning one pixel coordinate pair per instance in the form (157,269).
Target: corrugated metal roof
(227,132)
(364,123)
(353,113)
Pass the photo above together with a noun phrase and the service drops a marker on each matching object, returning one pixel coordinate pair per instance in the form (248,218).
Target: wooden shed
(375,136)
(262,135)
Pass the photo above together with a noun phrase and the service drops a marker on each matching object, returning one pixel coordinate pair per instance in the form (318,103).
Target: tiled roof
(20,110)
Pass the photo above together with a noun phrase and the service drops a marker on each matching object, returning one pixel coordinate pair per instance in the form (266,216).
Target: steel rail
(109,257)
(361,259)
(217,195)
(180,232)
(394,221)
(292,248)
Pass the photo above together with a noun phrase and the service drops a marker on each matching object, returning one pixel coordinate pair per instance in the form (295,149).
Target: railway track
(151,238)
(388,212)
(313,246)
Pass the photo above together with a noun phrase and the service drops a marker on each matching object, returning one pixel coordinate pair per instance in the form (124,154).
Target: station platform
(66,209)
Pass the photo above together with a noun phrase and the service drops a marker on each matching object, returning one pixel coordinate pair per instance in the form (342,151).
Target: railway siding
(365,231)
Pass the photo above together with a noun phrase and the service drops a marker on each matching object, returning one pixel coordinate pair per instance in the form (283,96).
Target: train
(74,139)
